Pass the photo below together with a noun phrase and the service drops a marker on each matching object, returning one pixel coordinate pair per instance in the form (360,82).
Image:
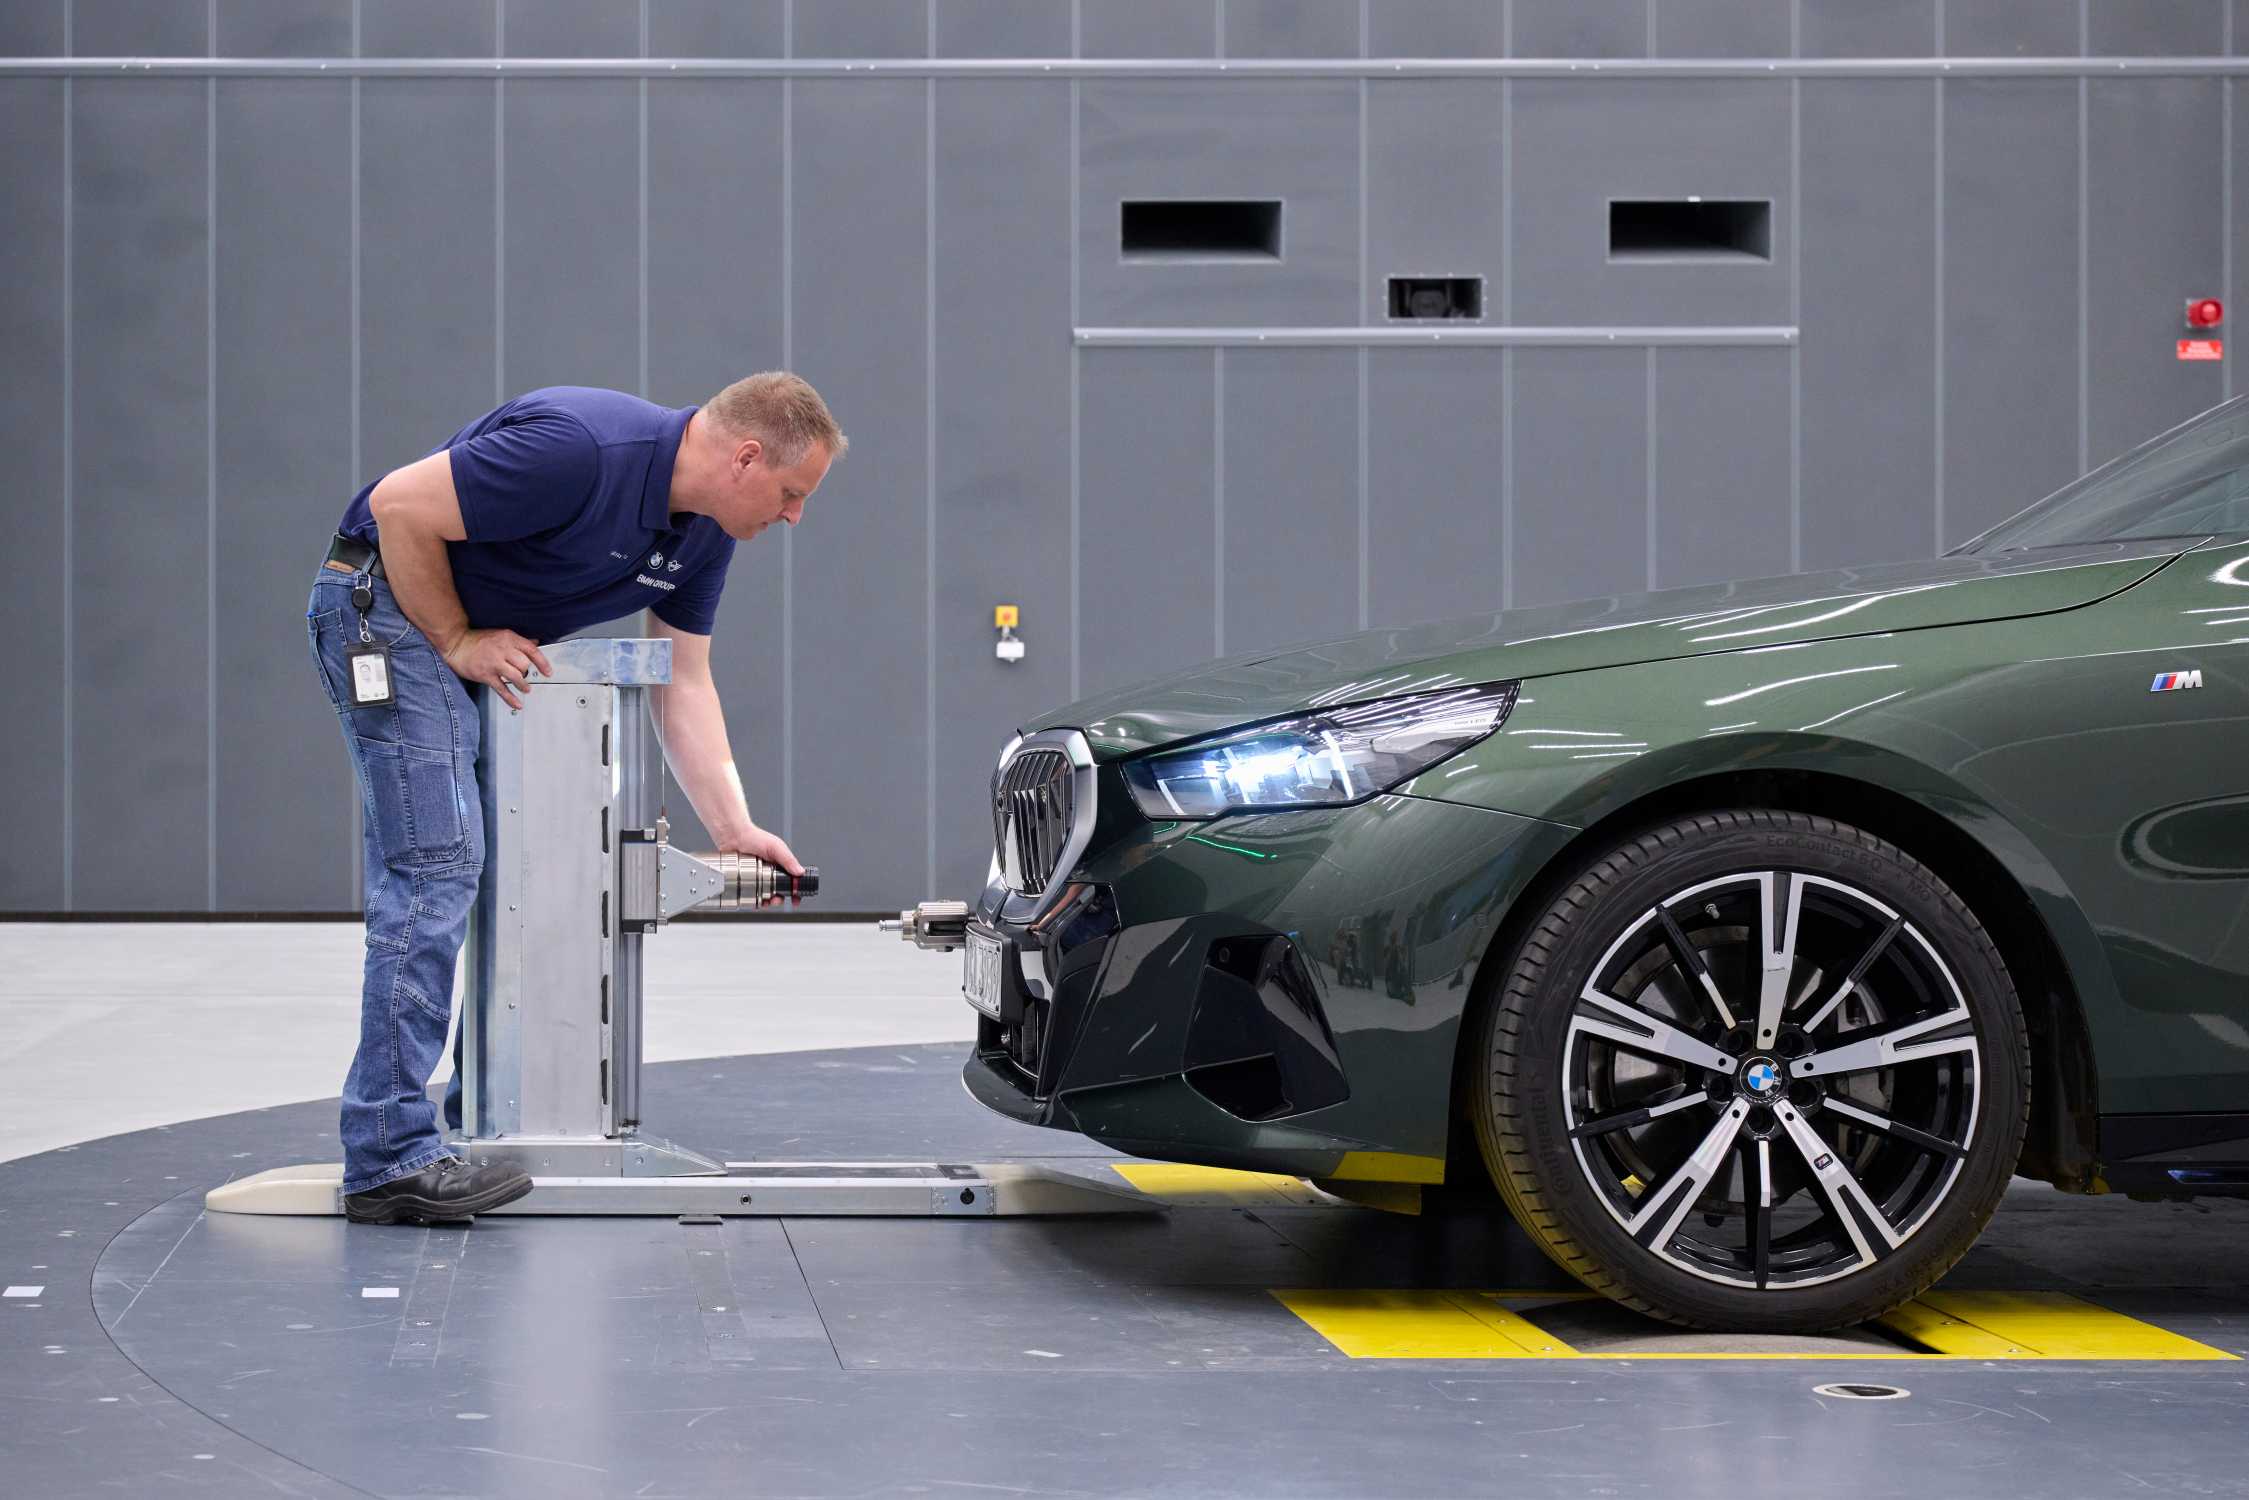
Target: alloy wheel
(1771,1079)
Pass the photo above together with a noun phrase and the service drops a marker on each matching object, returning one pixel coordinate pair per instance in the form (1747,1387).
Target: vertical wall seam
(499,212)
(1365,539)
(353,807)
(1650,479)
(1076,359)
(1365,300)
(1507,476)
(644,390)
(2084,247)
(69,469)
(1937,401)
(211,475)
(1218,497)
(1796,296)
(929,465)
(788,362)
(1507,314)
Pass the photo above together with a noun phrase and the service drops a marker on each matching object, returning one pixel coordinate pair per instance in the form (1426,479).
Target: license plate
(980,972)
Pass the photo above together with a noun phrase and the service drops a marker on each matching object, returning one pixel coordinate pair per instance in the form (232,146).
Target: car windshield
(2193,481)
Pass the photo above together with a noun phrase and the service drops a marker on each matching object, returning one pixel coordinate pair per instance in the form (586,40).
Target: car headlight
(1326,759)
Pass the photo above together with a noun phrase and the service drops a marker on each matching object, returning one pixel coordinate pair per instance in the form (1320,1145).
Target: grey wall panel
(863,28)
(1576,148)
(1580,473)
(573,234)
(1147,534)
(2010,155)
(139,28)
(1436,468)
(715,28)
(1581,28)
(1292,28)
(1433,176)
(2156,28)
(283,28)
(714,235)
(32,28)
(2034,30)
(861,750)
(1002,28)
(1869,352)
(284,454)
(2153,241)
(1291,501)
(714,315)
(1236,140)
(1721,28)
(1148,28)
(1721,465)
(1003,438)
(141,776)
(1868,28)
(571,28)
(426,276)
(426,28)
(31,424)
(1436,28)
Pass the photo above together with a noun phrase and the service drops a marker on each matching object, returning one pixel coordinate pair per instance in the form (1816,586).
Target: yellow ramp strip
(1950,1325)
(1422,1325)
(2044,1325)
(1216,1187)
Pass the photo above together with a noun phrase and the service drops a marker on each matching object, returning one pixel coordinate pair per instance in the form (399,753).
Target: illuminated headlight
(1327,759)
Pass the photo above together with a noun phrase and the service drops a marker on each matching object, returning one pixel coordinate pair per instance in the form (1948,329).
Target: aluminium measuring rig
(577,873)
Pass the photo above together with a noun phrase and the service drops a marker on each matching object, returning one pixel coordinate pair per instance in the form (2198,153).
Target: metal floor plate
(161,1349)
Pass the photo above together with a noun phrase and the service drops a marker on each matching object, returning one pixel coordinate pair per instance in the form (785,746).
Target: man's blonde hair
(781,411)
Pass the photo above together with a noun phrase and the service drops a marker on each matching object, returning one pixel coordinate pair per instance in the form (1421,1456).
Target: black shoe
(444,1192)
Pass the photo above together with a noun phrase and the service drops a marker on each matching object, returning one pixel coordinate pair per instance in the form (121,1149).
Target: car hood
(1613,632)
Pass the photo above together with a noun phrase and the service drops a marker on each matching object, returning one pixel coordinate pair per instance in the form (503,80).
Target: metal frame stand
(577,873)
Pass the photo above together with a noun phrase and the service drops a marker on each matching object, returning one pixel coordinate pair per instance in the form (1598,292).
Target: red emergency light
(2205,312)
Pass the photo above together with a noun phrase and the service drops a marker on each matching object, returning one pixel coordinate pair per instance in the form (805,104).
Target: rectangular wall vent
(1690,229)
(1436,296)
(1201,229)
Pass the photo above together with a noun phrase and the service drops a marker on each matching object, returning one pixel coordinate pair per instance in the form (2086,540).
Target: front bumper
(1281,992)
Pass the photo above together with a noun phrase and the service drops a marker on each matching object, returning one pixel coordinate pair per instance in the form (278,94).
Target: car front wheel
(1753,1070)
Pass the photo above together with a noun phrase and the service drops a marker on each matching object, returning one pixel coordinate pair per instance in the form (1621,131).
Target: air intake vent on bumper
(1258,1043)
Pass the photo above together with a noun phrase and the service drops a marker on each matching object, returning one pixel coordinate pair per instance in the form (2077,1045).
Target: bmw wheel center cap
(1761,1078)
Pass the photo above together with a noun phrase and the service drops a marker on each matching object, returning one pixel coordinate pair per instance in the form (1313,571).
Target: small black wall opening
(1201,229)
(1436,296)
(1690,229)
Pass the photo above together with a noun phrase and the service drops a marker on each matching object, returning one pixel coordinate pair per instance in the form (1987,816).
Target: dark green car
(1748,938)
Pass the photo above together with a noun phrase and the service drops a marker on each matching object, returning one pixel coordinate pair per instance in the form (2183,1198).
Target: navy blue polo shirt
(565,494)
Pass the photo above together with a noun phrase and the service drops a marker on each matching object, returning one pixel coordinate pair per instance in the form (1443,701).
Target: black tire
(1546,1059)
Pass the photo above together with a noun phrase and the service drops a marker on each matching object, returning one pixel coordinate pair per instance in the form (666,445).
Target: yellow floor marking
(1186,1186)
(1422,1325)
(1949,1325)
(1388,1166)
(2055,1325)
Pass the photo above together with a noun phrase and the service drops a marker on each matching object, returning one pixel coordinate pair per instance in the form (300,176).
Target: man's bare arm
(418,512)
(692,726)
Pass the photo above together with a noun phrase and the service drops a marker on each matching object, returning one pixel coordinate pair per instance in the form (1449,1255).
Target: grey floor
(166,1351)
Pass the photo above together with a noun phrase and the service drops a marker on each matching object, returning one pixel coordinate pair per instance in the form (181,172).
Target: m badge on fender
(2171,682)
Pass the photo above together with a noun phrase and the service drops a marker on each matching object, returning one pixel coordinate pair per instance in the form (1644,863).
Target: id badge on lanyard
(369,660)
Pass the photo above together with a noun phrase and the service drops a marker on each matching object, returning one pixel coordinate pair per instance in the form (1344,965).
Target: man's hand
(500,659)
(768,847)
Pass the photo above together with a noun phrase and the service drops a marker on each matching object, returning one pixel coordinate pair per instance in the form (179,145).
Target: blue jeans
(424,853)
